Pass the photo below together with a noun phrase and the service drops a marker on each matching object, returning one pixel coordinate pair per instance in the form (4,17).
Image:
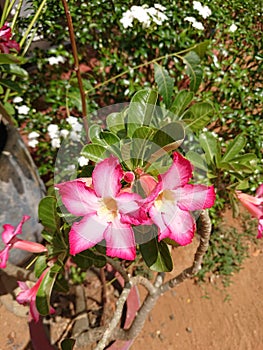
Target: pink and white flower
(11,241)
(28,296)
(254,205)
(173,198)
(108,212)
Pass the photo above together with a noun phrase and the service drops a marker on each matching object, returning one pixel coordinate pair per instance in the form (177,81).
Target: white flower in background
(144,15)
(204,11)
(53,131)
(75,136)
(64,133)
(159,7)
(195,23)
(233,28)
(141,14)
(23,109)
(157,16)
(127,19)
(17,99)
(32,139)
(83,161)
(55,142)
(56,60)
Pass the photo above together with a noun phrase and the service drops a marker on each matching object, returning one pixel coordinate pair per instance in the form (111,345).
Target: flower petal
(178,174)
(181,226)
(106,177)
(4,257)
(10,231)
(259,191)
(260,228)
(86,233)
(195,197)
(120,241)
(79,199)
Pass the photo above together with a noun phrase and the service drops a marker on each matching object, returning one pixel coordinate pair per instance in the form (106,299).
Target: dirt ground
(198,317)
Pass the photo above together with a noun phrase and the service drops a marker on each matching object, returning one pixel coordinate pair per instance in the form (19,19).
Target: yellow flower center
(164,196)
(108,209)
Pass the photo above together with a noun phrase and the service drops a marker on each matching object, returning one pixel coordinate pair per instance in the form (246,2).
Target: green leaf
(9,59)
(94,133)
(211,147)
(171,134)
(12,85)
(198,115)
(140,140)
(16,70)
(192,60)
(40,265)
(45,289)
(95,153)
(87,259)
(182,100)
(141,110)
(243,185)
(67,344)
(109,138)
(115,122)
(201,48)
(47,213)
(156,255)
(165,83)
(234,148)
(197,160)
(245,158)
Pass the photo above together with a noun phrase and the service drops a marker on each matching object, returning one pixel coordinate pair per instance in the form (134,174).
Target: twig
(117,266)
(103,295)
(151,299)
(76,67)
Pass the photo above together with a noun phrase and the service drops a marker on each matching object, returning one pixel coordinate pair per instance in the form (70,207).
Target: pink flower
(5,43)
(28,296)
(254,205)
(11,241)
(108,211)
(172,199)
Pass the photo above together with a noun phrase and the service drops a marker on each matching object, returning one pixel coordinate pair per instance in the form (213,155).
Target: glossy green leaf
(141,110)
(181,102)
(198,115)
(245,158)
(16,70)
(67,344)
(211,147)
(47,213)
(12,85)
(115,122)
(165,83)
(197,160)
(45,289)
(234,148)
(109,138)
(171,134)
(201,48)
(194,70)
(9,59)
(95,153)
(140,140)
(87,259)
(156,255)
(94,133)
(40,265)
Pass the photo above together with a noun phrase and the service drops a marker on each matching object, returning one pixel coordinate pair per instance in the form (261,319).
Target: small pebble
(189,329)
(171,317)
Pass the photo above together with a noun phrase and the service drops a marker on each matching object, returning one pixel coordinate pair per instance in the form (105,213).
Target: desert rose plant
(145,184)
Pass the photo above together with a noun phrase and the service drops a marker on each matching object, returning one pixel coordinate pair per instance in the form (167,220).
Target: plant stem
(76,67)
(141,65)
